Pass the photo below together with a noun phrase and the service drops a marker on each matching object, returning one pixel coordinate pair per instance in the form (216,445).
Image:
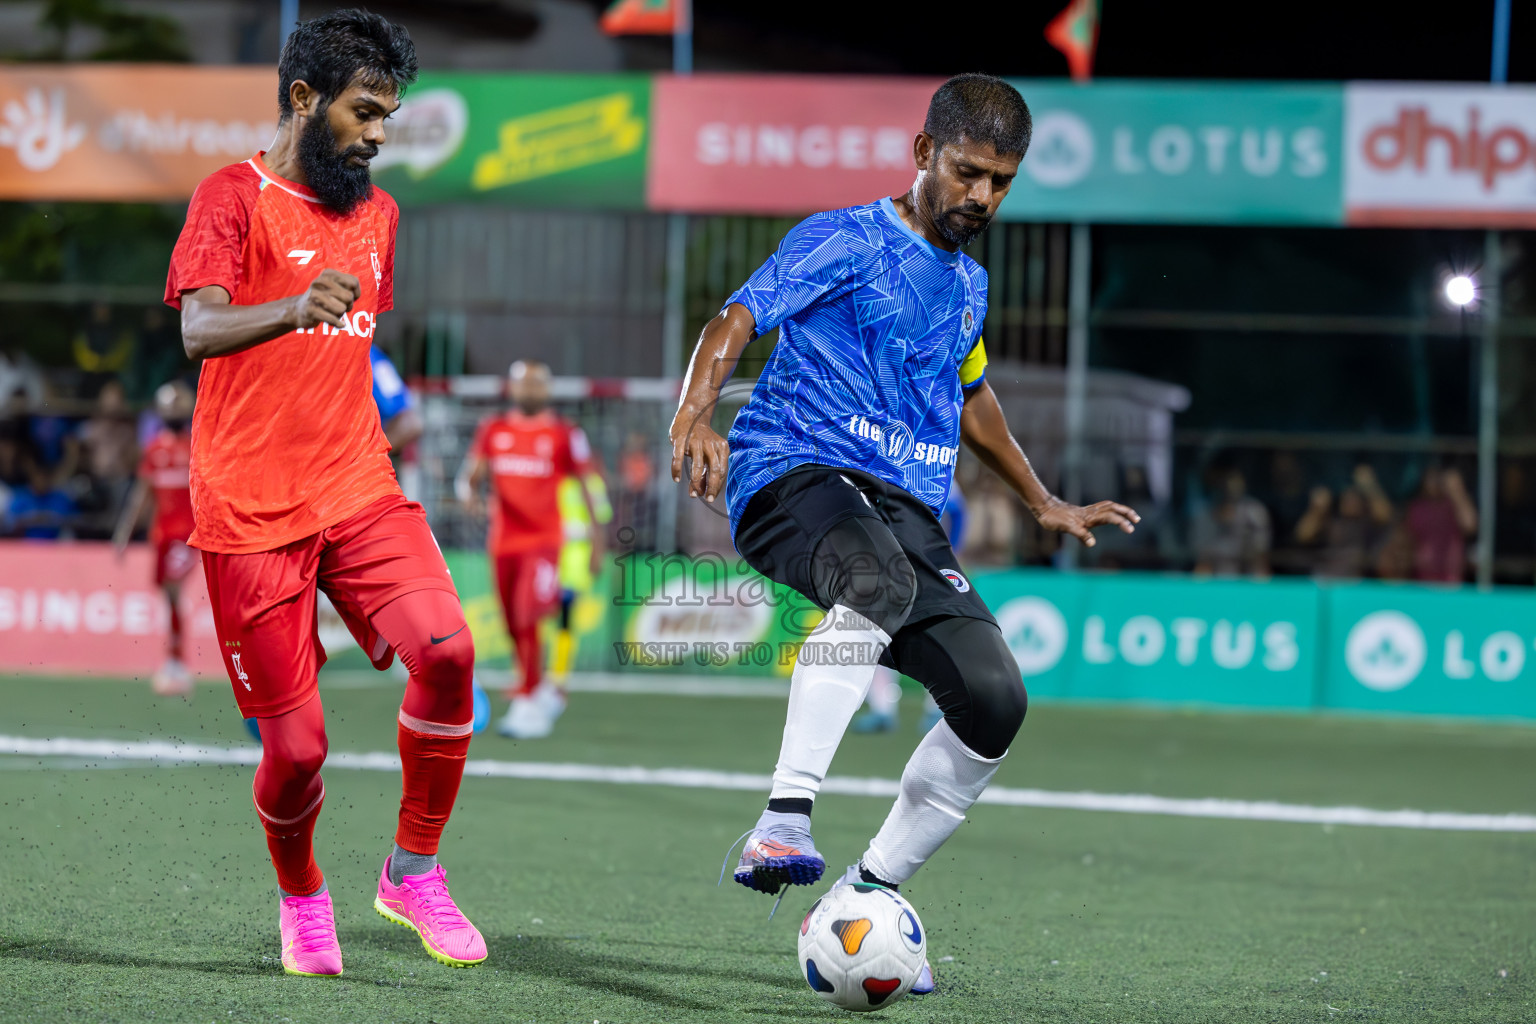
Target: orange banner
(121,132)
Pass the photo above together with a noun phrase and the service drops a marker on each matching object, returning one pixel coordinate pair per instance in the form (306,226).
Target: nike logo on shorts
(450,636)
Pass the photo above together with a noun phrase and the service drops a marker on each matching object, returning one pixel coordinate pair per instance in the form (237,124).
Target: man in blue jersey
(839,466)
(397,406)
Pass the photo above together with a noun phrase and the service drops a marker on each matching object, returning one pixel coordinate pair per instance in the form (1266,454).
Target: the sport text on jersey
(895,443)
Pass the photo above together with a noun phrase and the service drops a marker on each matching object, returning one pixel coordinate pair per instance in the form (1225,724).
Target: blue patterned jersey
(879,336)
(390,394)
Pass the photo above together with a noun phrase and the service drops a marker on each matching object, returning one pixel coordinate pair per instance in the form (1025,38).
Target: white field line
(647,683)
(160,752)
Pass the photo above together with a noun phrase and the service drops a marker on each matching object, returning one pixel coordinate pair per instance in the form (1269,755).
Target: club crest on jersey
(240,669)
(966,323)
(959,582)
(378,273)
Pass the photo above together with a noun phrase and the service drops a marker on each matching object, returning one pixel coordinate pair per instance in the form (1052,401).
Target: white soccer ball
(861,947)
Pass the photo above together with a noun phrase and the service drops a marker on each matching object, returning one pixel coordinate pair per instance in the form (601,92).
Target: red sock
(530,655)
(173,642)
(437,715)
(430,769)
(288,793)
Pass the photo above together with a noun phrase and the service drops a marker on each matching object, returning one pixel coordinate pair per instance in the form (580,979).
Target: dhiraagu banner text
(1150,152)
(520,139)
(1158,638)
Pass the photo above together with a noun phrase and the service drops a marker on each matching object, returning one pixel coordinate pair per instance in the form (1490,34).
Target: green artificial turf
(136,892)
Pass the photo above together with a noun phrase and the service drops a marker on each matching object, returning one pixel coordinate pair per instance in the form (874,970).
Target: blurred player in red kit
(526,453)
(163,482)
(284,265)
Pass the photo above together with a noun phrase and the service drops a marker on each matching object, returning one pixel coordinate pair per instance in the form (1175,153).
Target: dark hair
(329,52)
(980,108)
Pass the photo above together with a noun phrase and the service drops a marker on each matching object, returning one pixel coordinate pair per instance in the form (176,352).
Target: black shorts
(785,521)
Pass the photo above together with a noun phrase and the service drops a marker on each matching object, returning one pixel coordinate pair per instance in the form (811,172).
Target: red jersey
(528,456)
(164,469)
(285,439)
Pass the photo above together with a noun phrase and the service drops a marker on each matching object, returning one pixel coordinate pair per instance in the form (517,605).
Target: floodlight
(1460,290)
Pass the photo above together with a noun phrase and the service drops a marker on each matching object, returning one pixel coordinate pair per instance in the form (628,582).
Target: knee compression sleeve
(966,665)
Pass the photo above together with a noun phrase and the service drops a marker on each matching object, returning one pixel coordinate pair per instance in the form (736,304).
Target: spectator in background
(637,497)
(20,378)
(40,510)
(1350,535)
(1440,520)
(109,440)
(1231,537)
(1144,548)
(52,437)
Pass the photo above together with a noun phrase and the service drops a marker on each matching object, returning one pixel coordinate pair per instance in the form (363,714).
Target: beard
(336,182)
(957,230)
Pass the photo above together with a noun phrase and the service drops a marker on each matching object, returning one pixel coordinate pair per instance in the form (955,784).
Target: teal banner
(1279,644)
(1150,152)
(1157,638)
(1447,652)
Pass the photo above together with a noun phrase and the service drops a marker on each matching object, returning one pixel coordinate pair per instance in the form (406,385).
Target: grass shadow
(51,952)
(629,976)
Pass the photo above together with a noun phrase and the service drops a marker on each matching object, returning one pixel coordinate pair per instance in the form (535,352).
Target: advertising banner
(573,141)
(126,133)
(782,144)
(1196,154)
(1451,155)
(1158,638)
(705,614)
(1449,652)
(75,609)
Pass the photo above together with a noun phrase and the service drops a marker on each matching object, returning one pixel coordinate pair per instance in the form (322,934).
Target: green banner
(1158,638)
(680,613)
(1160,152)
(572,141)
(1423,649)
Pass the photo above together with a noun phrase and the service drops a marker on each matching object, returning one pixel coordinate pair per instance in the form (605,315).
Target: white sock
(940,783)
(823,698)
(885,692)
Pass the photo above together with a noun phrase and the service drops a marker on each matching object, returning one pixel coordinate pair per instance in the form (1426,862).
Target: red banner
(75,609)
(782,144)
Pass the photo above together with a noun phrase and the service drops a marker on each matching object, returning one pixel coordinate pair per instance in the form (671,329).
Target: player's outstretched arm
(985,432)
(466,486)
(132,512)
(211,326)
(714,359)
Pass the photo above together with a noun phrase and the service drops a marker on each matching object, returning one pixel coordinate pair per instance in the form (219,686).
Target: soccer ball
(861,947)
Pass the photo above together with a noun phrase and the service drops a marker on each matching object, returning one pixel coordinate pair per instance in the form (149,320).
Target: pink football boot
(309,936)
(422,903)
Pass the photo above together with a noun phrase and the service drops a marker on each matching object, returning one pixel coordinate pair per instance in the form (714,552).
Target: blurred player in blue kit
(838,469)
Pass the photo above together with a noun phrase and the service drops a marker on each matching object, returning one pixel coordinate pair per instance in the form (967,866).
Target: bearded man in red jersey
(285,263)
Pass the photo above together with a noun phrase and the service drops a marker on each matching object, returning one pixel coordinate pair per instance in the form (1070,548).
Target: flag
(644,17)
(1075,32)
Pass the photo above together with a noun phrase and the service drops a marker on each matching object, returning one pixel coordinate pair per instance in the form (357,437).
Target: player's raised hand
(1079,520)
(693,438)
(327,299)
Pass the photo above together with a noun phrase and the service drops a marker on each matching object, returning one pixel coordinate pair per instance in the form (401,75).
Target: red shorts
(173,560)
(529,583)
(264,601)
